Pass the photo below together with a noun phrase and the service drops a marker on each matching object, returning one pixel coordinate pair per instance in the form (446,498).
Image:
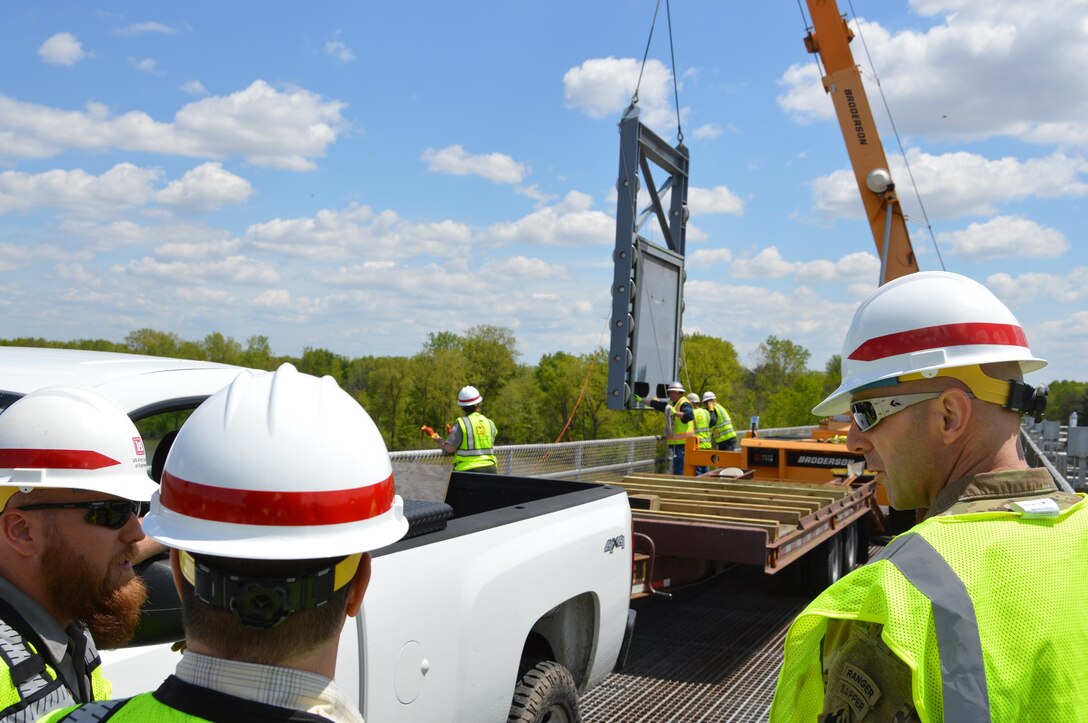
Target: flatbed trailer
(688,527)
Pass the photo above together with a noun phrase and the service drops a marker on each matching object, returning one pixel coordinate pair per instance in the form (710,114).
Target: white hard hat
(675,387)
(66,437)
(469,396)
(693,398)
(277,466)
(707,396)
(922,323)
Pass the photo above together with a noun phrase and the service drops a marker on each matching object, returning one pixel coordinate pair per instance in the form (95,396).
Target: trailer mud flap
(625,646)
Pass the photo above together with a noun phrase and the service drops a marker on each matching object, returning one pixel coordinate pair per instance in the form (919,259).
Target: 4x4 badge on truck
(613,543)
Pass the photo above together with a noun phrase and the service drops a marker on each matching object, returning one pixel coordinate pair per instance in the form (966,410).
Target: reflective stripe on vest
(963,673)
(723,425)
(29,687)
(477,443)
(676,431)
(702,428)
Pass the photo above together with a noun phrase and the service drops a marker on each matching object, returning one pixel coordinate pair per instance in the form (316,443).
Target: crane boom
(830,38)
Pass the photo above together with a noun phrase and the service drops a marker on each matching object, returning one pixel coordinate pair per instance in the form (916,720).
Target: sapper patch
(858,689)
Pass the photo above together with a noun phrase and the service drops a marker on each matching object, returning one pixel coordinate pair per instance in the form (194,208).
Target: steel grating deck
(711,653)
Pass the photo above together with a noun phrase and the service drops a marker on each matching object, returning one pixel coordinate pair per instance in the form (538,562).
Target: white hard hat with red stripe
(469,396)
(922,323)
(278,466)
(67,437)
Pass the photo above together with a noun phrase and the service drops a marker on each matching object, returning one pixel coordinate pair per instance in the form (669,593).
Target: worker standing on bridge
(679,422)
(702,427)
(472,439)
(72,475)
(966,617)
(721,426)
(273,494)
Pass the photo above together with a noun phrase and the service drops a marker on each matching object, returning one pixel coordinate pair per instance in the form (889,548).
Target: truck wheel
(850,547)
(826,564)
(545,694)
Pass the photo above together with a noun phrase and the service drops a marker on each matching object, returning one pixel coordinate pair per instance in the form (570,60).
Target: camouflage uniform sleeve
(865,680)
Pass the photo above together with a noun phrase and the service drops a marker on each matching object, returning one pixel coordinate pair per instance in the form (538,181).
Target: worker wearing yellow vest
(969,616)
(274,493)
(72,476)
(721,426)
(679,422)
(472,438)
(701,426)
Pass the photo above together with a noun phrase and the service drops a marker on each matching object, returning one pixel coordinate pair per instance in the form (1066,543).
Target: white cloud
(602,88)
(954,185)
(524,267)
(456,161)
(149,26)
(268,127)
(88,234)
(233,269)
(1025,288)
(714,200)
(705,258)
(194,87)
(986,47)
(335,49)
(1003,237)
(62,49)
(198,250)
(572,222)
(206,188)
(770,264)
(708,130)
(358,232)
(146,65)
(123,186)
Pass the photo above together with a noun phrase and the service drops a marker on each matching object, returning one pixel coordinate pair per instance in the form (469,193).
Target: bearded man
(72,479)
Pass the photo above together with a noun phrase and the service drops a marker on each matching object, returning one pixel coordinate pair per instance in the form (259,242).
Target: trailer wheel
(850,547)
(864,534)
(545,694)
(825,564)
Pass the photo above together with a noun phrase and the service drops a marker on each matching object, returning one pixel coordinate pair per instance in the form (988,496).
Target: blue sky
(355,175)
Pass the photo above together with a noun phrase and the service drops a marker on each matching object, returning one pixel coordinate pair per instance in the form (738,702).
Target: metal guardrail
(1045,446)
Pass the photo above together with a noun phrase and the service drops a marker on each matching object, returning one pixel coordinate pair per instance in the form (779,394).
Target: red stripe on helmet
(54,459)
(934,337)
(280,509)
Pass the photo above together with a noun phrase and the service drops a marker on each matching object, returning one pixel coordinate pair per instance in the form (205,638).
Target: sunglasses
(113,514)
(868,412)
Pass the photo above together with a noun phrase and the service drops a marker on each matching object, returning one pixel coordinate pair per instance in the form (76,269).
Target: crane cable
(672,60)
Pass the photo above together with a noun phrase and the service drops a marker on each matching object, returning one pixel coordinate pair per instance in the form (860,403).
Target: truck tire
(825,564)
(545,694)
(849,547)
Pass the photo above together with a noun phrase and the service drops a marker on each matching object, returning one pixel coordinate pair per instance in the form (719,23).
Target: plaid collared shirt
(270,684)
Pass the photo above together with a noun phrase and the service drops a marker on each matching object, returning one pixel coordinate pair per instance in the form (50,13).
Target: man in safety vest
(72,477)
(971,615)
(679,422)
(274,493)
(701,426)
(472,439)
(721,426)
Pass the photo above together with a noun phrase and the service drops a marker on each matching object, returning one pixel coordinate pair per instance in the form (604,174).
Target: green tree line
(560,398)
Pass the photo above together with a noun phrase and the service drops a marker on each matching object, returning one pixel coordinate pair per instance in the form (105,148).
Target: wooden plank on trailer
(782,516)
(773,528)
(812,504)
(828,489)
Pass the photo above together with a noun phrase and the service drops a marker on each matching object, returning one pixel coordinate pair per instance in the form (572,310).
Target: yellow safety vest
(702,428)
(723,426)
(983,609)
(676,432)
(477,443)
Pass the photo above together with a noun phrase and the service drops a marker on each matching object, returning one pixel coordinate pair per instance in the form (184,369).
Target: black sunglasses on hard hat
(113,514)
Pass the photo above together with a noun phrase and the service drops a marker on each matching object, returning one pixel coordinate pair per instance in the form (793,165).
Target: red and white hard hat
(707,396)
(469,396)
(675,387)
(921,323)
(66,437)
(277,466)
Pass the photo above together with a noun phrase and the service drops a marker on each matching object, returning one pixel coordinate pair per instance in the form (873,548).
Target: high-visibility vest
(147,708)
(702,428)
(30,687)
(676,431)
(981,607)
(722,430)
(477,443)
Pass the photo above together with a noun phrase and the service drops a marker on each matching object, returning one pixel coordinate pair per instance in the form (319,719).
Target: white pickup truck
(503,603)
